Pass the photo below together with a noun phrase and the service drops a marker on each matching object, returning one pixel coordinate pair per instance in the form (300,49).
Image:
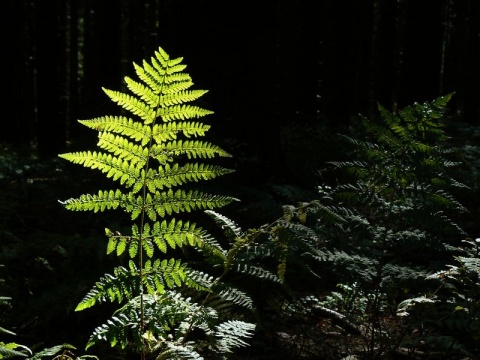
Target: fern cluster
(156,156)
(379,236)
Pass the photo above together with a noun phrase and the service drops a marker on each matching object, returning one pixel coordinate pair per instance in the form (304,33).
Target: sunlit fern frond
(153,157)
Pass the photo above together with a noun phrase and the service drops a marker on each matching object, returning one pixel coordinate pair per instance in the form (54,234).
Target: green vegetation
(381,237)
(377,264)
(165,301)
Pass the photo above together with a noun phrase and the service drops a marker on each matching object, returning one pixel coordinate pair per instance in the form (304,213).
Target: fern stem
(140,245)
(140,256)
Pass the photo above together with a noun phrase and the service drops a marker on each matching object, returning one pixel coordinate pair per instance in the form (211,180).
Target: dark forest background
(269,65)
(284,77)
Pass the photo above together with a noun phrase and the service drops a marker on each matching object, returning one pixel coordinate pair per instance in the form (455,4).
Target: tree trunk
(50,86)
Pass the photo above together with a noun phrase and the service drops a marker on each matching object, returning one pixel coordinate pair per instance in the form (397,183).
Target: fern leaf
(192,149)
(168,131)
(257,272)
(177,83)
(142,91)
(112,241)
(132,248)
(182,112)
(198,280)
(181,97)
(180,201)
(121,245)
(169,274)
(115,331)
(121,147)
(231,335)
(104,200)
(176,233)
(132,104)
(120,125)
(123,284)
(115,167)
(235,296)
(170,176)
(146,73)
(229,227)
(210,246)
(173,272)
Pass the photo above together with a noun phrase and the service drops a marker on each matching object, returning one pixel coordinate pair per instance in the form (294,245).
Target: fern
(231,333)
(382,231)
(398,215)
(155,157)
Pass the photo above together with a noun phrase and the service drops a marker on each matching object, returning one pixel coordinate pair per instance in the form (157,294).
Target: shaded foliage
(374,242)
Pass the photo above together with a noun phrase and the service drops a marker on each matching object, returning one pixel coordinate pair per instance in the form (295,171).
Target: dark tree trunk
(49,66)
(72,62)
(399,51)
(463,59)
(20,113)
